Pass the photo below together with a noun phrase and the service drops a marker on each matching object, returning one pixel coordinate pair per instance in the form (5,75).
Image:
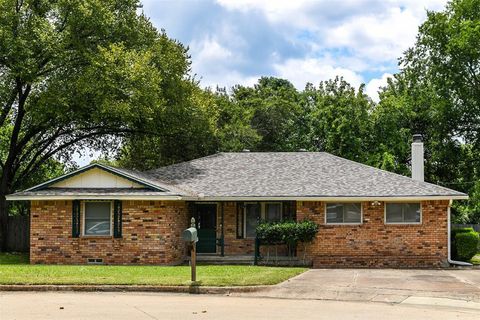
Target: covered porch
(226,231)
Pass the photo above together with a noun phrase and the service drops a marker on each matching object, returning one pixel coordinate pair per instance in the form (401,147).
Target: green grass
(475,259)
(14,270)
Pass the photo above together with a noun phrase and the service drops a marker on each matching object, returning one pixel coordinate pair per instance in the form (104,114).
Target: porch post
(222,252)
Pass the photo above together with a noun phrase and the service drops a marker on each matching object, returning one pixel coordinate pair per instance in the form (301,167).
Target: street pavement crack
(145,313)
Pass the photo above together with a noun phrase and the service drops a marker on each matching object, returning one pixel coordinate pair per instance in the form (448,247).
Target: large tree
(437,93)
(75,75)
(339,119)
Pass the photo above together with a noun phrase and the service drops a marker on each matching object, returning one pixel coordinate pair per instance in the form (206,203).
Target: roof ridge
(184,162)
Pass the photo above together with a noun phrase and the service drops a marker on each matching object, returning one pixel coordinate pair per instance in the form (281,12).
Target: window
(273,212)
(343,213)
(403,213)
(97,219)
(252,215)
(255,212)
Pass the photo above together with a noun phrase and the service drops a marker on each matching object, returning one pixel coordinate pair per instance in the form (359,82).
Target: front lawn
(14,270)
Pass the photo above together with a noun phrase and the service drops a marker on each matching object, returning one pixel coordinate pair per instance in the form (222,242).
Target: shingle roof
(290,174)
(258,174)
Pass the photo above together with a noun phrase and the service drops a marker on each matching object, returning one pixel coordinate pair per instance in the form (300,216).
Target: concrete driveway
(437,287)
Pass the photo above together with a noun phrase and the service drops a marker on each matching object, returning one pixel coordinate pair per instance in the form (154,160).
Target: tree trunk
(3,222)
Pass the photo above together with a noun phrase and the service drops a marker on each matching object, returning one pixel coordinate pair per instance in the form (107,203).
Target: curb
(134,288)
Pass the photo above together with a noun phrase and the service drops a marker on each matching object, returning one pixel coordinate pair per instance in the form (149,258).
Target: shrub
(269,233)
(287,232)
(453,234)
(466,244)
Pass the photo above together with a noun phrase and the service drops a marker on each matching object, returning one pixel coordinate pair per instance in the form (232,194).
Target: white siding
(96,178)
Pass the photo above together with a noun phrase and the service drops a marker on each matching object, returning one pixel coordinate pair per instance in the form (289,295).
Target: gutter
(458,263)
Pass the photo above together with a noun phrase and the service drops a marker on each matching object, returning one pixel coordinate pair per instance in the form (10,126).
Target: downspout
(458,263)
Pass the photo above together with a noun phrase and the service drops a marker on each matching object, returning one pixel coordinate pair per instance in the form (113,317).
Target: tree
(340,119)
(178,134)
(76,75)
(264,117)
(437,93)
(446,59)
(234,129)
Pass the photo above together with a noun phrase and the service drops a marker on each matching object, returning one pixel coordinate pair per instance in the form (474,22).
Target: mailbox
(190,235)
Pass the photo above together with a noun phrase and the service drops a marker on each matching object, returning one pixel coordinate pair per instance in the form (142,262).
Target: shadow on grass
(13,258)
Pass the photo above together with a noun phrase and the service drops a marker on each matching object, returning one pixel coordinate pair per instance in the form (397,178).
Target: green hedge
(289,232)
(466,244)
(453,234)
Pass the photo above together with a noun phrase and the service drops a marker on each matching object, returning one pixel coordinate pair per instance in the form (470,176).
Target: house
(368,217)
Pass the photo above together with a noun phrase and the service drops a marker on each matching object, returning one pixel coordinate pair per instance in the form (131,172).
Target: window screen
(344,213)
(252,215)
(273,212)
(403,213)
(97,219)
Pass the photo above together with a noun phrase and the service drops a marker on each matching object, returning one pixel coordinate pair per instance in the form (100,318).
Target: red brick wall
(151,235)
(375,244)
(152,229)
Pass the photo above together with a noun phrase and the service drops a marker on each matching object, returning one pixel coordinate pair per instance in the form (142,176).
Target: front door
(206,223)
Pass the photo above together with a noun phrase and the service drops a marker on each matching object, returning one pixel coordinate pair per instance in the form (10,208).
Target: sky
(238,41)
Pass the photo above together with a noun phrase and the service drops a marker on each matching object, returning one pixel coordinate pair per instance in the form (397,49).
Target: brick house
(367,217)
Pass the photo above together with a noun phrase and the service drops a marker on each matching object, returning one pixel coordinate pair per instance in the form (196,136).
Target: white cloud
(237,41)
(374,37)
(212,64)
(278,11)
(209,50)
(299,72)
(374,86)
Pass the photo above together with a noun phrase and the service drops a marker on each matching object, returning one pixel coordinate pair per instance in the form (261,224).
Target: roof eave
(14,197)
(19,197)
(330,198)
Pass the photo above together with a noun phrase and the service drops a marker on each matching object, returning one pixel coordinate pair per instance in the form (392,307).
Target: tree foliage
(76,75)
(97,75)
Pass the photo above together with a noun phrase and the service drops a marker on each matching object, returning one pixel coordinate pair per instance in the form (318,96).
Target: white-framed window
(260,211)
(403,213)
(343,213)
(97,218)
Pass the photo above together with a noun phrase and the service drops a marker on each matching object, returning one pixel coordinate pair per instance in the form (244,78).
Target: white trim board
(202,199)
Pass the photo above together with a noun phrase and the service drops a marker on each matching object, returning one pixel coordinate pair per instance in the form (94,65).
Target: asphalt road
(92,306)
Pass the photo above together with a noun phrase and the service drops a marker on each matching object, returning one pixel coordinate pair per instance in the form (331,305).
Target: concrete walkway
(434,287)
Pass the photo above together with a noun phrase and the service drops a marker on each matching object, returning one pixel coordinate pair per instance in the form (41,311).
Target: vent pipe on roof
(417,158)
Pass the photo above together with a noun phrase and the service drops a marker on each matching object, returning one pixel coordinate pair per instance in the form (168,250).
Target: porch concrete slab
(386,285)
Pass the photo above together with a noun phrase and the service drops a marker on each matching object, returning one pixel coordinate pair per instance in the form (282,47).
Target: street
(92,306)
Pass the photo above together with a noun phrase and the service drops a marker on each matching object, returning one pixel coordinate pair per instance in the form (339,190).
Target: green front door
(206,223)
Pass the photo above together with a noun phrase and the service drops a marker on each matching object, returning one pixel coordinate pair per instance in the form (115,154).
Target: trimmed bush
(453,234)
(466,244)
(287,232)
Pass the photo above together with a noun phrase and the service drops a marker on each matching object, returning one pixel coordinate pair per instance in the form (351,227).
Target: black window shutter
(75,218)
(117,219)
